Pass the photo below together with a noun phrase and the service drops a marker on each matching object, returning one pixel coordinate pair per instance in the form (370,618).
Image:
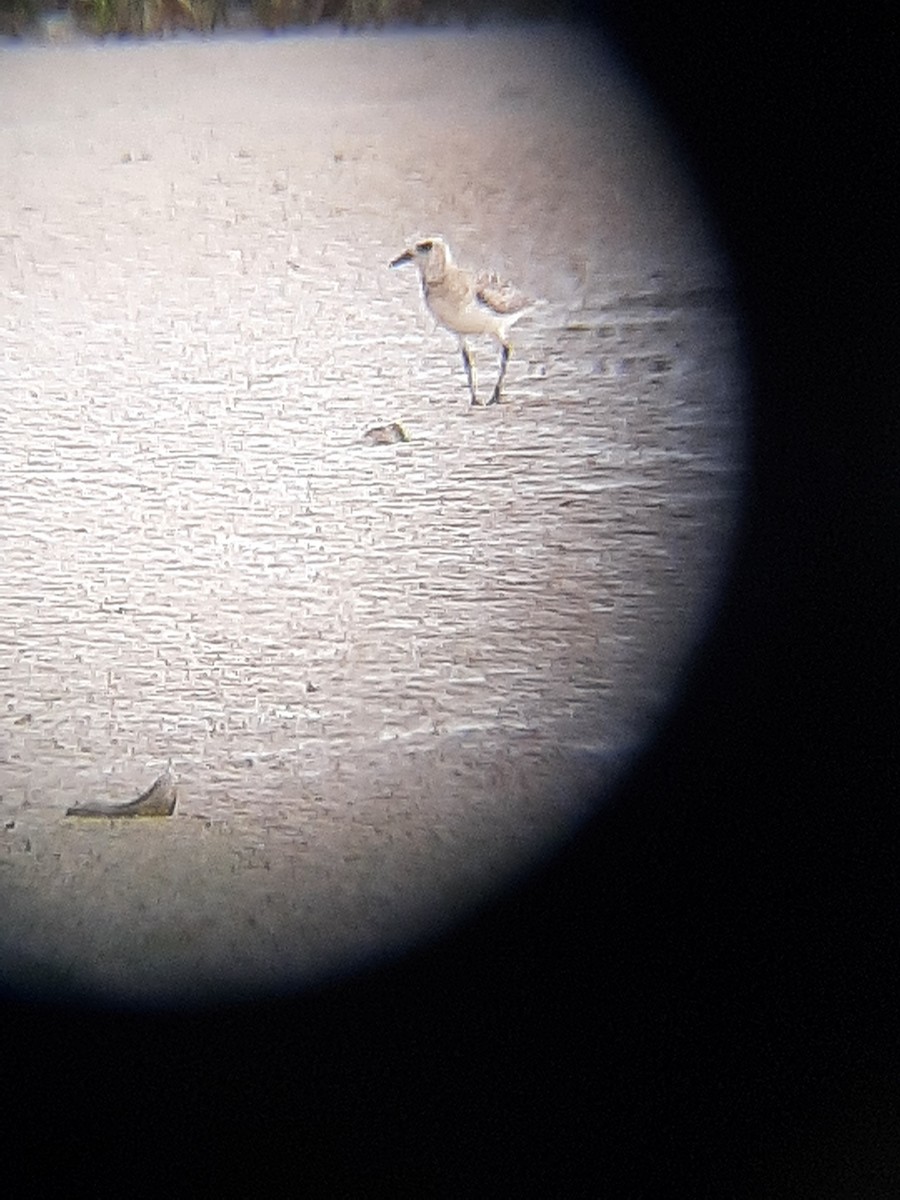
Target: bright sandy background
(388,677)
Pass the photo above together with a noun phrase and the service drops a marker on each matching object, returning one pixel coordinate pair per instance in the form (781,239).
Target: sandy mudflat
(385,674)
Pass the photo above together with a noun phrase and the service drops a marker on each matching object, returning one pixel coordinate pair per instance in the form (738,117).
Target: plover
(467,303)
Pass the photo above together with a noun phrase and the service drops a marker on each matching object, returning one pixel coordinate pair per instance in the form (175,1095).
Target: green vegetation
(278,14)
(102,18)
(17,16)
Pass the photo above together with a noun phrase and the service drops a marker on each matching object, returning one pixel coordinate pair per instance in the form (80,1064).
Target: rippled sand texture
(383,673)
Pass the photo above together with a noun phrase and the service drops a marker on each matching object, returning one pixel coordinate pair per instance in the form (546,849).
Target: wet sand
(388,676)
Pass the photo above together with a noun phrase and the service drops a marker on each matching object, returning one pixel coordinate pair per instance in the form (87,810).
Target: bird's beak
(405,257)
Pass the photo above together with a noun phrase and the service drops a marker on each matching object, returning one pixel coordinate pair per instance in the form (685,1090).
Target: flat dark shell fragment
(158,801)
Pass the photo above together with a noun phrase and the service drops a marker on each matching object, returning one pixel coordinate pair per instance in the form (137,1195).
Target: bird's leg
(504,359)
(471,375)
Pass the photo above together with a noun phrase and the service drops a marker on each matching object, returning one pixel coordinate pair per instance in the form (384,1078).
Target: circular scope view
(371,445)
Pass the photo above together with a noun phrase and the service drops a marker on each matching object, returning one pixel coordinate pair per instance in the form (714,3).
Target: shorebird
(467,303)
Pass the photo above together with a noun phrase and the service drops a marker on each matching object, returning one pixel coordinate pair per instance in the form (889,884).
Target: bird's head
(431,255)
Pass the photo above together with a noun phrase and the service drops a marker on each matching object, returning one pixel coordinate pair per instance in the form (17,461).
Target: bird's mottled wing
(502,298)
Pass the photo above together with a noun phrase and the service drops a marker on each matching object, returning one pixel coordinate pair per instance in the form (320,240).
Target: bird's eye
(426,246)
